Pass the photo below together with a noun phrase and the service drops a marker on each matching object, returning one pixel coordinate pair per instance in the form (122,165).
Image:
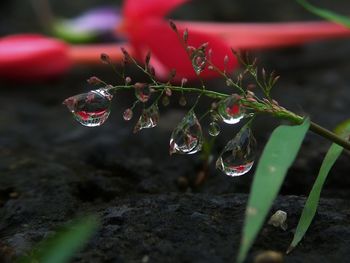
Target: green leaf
(61,247)
(343,128)
(278,155)
(63,30)
(309,211)
(326,14)
(311,204)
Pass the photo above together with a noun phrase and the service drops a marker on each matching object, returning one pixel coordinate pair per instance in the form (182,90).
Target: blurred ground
(52,169)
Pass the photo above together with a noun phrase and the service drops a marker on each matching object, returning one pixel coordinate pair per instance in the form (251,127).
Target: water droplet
(230,109)
(238,156)
(127,115)
(199,60)
(214,115)
(182,101)
(149,118)
(165,101)
(214,129)
(187,137)
(90,109)
(142,92)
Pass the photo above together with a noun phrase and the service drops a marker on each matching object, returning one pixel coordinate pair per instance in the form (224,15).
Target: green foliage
(63,30)
(61,247)
(278,155)
(326,14)
(312,201)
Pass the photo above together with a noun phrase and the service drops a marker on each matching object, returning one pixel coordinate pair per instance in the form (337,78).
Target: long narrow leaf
(61,247)
(311,204)
(312,201)
(326,14)
(278,155)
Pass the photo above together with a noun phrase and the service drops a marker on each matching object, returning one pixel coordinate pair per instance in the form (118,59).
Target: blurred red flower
(147,30)
(30,57)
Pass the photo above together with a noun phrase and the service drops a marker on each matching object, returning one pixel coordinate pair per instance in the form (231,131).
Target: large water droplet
(187,137)
(199,60)
(142,92)
(90,109)
(231,110)
(149,118)
(214,129)
(238,156)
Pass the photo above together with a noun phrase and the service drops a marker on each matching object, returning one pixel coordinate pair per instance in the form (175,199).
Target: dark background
(53,170)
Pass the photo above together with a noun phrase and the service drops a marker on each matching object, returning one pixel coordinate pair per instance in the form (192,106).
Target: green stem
(329,135)
(257,106)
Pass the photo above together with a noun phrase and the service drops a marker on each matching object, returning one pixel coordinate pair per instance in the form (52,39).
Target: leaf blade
(311,204)
(280,150)
(312,201)
(326,14)
(61,247)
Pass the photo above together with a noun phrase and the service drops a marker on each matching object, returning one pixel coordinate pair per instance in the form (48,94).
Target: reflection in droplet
(149,118)
(214,129)
(238,156)
(187,137)
(231,110)
(90,109)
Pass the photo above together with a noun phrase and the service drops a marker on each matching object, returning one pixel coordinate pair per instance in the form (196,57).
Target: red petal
(32,57)
(157,36)
(269,35)
(136,9)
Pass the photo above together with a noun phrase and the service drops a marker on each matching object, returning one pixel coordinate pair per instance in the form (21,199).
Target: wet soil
(53,170)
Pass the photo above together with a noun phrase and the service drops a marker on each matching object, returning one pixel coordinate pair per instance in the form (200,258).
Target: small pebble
(269,256)
(279,219)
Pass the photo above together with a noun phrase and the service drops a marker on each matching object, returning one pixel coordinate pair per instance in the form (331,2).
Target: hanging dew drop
(182,101)
(231,110)
(187,137)
(238,156)
(149,118)
(214,129)
(165,101)
(199,60)
(127,115)
(90,109)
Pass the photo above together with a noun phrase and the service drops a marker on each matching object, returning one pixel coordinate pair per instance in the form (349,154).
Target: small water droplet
(90,109)
(214,129)
(142,92)
(182,101)
(187,137)
(149,118)
(165,101)
(214,115)
(127,115)
(238,156)
(199,60)
(230,110)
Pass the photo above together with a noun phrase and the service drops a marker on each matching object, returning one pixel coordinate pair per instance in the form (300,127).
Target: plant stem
(261,107)
(329,135)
